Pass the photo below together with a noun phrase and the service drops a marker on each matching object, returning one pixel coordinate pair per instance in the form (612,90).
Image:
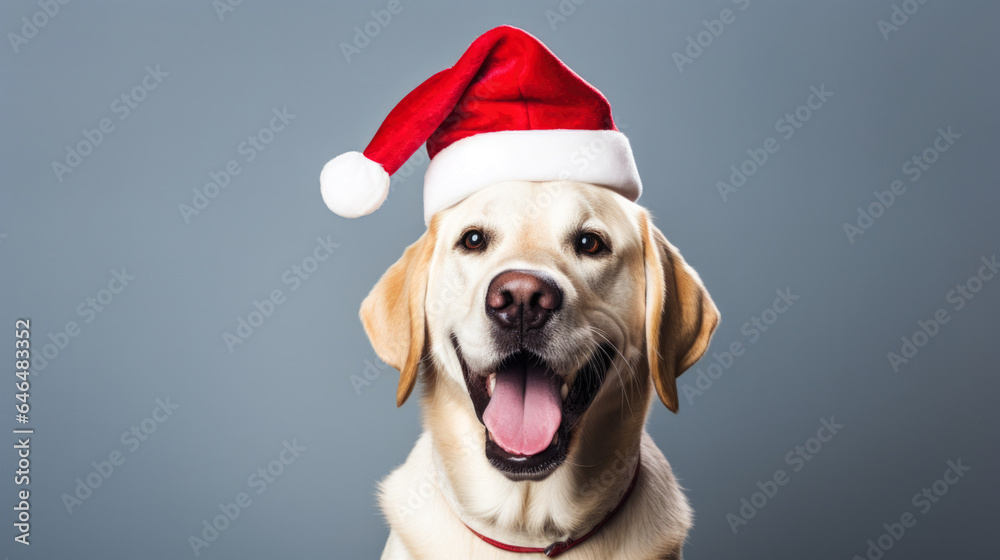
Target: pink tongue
(525,410)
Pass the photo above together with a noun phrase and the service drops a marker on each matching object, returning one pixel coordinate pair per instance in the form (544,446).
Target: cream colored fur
(642,292)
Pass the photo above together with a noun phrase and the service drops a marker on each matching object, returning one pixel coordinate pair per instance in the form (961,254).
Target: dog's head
(523,297)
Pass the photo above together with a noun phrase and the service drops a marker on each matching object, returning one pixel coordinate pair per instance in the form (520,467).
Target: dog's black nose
(522,300)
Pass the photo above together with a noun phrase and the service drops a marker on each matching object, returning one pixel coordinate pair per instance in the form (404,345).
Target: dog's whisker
(621,380)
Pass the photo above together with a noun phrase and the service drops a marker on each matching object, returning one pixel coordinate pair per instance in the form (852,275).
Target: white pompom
(353,185)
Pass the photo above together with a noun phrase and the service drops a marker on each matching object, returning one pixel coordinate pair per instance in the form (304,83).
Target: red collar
(557,548)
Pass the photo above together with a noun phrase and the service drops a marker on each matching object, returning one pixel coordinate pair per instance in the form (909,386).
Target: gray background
(163,335)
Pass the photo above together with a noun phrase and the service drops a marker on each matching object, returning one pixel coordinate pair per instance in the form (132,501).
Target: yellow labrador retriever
(538,343)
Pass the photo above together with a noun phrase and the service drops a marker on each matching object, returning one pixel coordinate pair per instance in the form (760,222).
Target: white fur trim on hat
(600,157)
(353,185)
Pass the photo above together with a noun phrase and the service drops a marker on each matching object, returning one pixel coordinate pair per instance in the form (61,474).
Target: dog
(538,342)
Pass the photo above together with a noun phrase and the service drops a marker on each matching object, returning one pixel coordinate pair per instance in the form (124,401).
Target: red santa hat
(507,110)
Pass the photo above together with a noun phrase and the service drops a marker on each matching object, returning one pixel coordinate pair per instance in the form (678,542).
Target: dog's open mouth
(529,411)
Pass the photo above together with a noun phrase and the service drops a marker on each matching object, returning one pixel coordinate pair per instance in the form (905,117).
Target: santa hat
(507,110)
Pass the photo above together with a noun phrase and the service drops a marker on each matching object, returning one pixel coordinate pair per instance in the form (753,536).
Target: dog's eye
(590,243)
(474,240)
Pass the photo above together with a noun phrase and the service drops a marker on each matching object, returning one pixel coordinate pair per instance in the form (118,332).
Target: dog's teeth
(555,439)
(565,391)
(493,383)
(491,435)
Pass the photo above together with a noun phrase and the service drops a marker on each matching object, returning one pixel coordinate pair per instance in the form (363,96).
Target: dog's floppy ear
(680,315)
(393,313)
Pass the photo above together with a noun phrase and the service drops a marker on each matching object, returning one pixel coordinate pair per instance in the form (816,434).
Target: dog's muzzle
(527,408)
